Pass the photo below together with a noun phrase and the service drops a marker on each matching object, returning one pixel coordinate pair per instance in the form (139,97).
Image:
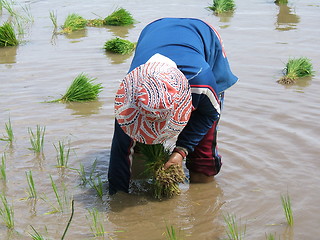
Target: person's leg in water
(205,162)
(119,172)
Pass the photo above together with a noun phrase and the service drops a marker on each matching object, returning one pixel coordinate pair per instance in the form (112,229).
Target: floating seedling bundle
(119,46)
(82,89)
(165,181)
(120,17)
(221,6)
(295,69)
(7,36)
(73,22)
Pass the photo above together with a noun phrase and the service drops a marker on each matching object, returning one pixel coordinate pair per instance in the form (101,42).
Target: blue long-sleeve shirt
(197,50)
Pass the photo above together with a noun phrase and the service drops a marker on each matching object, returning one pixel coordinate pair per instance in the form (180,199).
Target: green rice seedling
(73,22)
(234,231)
(32,193)
(37,139)
(53,18)
(62,154)
(286,204)
(97,185)
(119,17)
(8,36)
(83,175)
(95,22)
(97,227)
(3,168)
(271,236)
(281,1)
(119,46)
(9,138)
(171,233)
(296,68)
(221,6)
(36,235)
(82,89)
(58,197)
(6,212)
(165,181)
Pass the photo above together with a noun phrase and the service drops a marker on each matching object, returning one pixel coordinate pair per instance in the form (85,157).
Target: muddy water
(269,133)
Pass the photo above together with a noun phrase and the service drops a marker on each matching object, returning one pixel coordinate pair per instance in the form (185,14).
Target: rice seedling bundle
(296,68)
(281,1)
(7,36)
(120,17)
(120,46)
(73,22)
(82,89)
(165,181)
(220,6)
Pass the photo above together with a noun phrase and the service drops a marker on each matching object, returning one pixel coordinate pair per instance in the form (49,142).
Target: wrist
(182,151)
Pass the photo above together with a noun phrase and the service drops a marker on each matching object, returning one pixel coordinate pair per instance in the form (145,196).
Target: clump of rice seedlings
(8,36)
(81,89)
(96,184)
(119,46)
(295,69)
(32,193)
(281,1)
(73,22)
(3,168)
(233,229)
(97,227)
(83,175)
(221,6)
(36,235)
(6,212)
(119,17)
(95,22)
(271,236)
(62,154)
(9,138)
(171,233)
(37,139)
(286,204)
(165,181)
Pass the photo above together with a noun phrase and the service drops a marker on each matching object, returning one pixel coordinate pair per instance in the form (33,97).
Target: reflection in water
(84,108)
(117,58)
(77,34)
(8,55)
(225,18)
(286,20)
(120,31)
(300,84)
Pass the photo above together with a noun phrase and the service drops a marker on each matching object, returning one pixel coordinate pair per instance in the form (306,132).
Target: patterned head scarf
(153,103)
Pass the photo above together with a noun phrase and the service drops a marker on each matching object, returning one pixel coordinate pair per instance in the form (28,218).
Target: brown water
(269,133)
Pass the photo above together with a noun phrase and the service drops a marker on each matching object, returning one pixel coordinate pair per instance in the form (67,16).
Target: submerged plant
(73,22)
(296,68)
(119,17)
(9,138)
(165,181)
(6,212)
(233,229)
(3,168)
(221,6)
(62,154)
(37,139)
(81,89)
(120,46)
(31,186)
(286,204)
(8,36)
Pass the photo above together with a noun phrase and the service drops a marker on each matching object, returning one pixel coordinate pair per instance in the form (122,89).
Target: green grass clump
(8,36)
(120,17)
(234,230)
(63,153)
(73,22)
(82,89)
(171,233)
(165,181)
(9,138)
(296,68)
(286,204)
(120,46)
(3,168)
(37,139)
(6,212)
(221,6)
(97,227)
(31,186)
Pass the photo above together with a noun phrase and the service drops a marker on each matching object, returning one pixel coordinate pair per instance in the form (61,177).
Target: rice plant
(281,1)
(73,22)
(119,17)
(81,89)
(96,227)
(119,46)
(58,197)
(9,138)
(286,204)
(234,231)
(6,212)
(271,236)
(171,233)
(221,6)
(7,35)
(296,68)
(32,193)
(165,181)
(53,18)
(37,139)
(96,184)
(3,168)
(83,175)
(62,154)
(36,235)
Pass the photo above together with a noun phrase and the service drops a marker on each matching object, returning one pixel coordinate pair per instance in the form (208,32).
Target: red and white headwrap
(153,103)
